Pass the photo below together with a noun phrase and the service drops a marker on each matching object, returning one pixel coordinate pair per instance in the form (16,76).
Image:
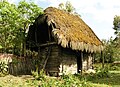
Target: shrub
(103,72)
(38,75)
(75,81)
(3,68)
(114,67)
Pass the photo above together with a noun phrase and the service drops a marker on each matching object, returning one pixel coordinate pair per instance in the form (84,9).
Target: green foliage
(115,67)
(67,7)
(112,46)
(15,20)
(3,68)
(116,24)
(103,78)
(9,17)
(75,80)
(102,73)
(111,53)
(38,75)
(63,81)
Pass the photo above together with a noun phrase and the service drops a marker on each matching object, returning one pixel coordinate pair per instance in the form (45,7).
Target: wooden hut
(65,43)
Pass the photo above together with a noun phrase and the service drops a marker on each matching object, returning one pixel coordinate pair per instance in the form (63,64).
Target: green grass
(113,80)
(29,81)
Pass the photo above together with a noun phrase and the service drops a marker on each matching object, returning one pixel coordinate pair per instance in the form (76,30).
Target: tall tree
(116,24)
(14,22)
(8,24)
(116,27)
(68,7)
(28,13)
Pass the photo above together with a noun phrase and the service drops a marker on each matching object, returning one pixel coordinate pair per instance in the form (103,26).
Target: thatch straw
(71,31)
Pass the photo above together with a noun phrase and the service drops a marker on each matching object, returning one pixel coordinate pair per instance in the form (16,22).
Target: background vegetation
(111,51)
(14,24)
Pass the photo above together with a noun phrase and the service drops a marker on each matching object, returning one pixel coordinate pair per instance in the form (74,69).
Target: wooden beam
(47,56)
(46,44)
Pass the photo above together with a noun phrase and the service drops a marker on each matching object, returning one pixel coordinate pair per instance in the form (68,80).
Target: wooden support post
(81,62)
(39,52)
(78,62)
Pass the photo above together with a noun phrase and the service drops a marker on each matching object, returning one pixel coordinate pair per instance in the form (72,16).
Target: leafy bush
(3,68)
(76,80)
(103,72)
(114,67)
(63,81)
(38,75)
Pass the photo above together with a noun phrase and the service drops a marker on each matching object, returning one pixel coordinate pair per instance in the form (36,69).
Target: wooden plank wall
(68,62)
(53,63)
(21,67)
(49,57)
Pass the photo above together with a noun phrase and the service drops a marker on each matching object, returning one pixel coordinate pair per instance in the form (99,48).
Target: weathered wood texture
(49,57)
(54,59)
(63,60)
(21,66)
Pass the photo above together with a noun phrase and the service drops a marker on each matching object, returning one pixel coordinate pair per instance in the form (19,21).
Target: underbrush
(102,78)
(62,81)
(109,66)
(3,68)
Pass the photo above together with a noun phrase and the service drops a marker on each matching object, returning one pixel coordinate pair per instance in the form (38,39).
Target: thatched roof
(71,31)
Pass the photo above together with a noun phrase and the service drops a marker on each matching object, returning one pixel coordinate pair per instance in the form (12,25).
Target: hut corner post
(80,62)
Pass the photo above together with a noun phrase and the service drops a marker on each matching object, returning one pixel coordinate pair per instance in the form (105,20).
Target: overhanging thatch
(71,31)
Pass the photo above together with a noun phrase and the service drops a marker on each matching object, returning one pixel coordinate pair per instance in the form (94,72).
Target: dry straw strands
(71,31)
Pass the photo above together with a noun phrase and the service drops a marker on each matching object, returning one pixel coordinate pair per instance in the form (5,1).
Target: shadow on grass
(113,80)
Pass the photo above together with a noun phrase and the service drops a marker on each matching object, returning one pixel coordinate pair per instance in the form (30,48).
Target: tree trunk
(102,57)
